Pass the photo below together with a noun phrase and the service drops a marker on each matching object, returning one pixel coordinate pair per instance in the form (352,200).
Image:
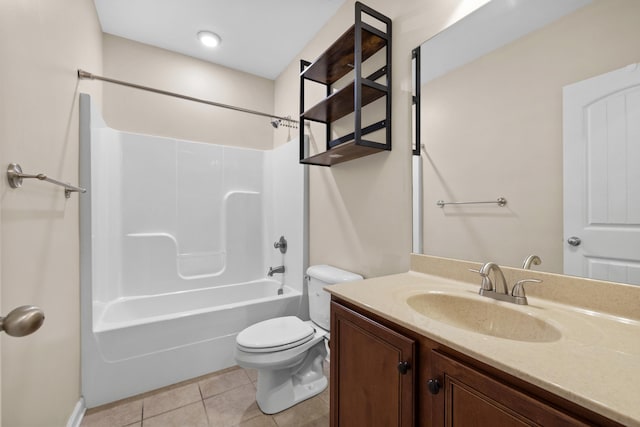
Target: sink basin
(482,316)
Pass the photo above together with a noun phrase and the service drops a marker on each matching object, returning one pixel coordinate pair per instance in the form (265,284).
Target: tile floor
(222,399)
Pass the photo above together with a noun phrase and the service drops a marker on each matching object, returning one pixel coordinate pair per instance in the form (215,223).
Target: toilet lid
(275,334)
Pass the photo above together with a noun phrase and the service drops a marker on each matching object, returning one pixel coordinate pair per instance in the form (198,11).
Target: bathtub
(173,254)
(143,343)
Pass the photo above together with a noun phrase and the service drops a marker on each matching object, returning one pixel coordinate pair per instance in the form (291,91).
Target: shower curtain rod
(87,75)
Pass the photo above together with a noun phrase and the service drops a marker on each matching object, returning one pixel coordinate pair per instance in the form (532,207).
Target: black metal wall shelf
(337,61)
(356,45)
(341,103)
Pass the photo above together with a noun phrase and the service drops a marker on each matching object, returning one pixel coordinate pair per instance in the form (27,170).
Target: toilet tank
(319,299)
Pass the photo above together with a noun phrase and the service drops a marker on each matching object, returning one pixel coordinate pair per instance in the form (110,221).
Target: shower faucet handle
(281,244)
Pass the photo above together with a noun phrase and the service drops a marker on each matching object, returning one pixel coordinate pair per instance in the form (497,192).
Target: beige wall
(494,128)
(360,216)
(42,43)
(360,210)
(144,112)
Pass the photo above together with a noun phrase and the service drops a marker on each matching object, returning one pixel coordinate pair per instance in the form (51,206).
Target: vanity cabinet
(463,396)
(372,374)
(347,55)
(441,387)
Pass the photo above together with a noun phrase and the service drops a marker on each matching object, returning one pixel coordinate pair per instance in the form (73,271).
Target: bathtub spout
(275,270)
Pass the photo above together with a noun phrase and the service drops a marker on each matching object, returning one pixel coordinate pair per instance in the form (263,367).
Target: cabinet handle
(434,386)
(403,367)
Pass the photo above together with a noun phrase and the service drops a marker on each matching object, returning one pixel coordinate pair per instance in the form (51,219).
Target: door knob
(574,241)
(22,321)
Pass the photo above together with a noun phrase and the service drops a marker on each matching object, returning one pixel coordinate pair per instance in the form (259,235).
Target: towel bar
(500,202)
(15,177)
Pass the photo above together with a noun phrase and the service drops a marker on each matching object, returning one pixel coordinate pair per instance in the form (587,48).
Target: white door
(601,139)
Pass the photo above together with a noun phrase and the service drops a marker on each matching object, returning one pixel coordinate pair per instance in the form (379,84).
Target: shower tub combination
(176,240)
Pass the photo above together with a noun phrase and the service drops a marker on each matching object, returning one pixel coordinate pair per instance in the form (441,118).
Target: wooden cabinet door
(470,398)
(369,385)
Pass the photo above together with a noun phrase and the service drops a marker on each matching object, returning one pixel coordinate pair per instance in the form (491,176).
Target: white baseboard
(78,413)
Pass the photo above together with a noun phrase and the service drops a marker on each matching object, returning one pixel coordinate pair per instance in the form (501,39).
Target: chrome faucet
(487,288)
(273,271)
(531,259)
(499,277)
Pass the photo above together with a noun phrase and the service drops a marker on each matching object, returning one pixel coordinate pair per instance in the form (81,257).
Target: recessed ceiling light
(209,39)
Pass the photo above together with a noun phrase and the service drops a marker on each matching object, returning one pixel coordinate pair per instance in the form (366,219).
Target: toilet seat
(276,334)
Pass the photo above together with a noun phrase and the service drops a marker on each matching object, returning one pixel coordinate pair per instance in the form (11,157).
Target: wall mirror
(490,125)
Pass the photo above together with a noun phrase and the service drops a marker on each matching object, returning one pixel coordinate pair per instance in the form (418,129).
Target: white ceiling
(260,37)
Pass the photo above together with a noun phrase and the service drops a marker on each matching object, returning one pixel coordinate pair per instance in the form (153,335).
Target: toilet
(289,352)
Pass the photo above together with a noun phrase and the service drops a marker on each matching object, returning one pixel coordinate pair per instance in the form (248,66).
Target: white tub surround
(176,240)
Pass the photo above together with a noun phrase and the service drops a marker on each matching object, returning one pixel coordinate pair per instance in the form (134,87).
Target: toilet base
(280,389)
